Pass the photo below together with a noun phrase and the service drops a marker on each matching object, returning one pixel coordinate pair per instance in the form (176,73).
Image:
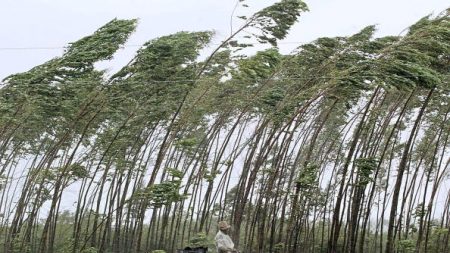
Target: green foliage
(276,20)
(79,57)
(163,58)
(273,97)
(416,59)
(199,240)
(440,231)
(17,247)
(176,174)
(48,98)
(101,45)
(211,175)
(407,246)
(308,177)
(366,166)
(258,67)
(159,77)
(187,142)
(420,211)
(165,193)
(78,171)
(166,99)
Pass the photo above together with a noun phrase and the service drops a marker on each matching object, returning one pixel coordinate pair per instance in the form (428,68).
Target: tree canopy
(340,146)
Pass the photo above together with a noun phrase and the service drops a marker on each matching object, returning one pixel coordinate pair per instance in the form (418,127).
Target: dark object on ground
(193,250)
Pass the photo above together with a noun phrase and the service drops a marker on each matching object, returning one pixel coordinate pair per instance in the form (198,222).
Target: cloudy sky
(34,31)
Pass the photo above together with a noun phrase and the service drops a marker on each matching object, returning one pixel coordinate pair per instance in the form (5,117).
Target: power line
(179,80)
(124,46)
(54,47)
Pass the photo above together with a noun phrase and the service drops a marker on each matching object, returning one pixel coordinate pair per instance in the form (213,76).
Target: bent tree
(340,146)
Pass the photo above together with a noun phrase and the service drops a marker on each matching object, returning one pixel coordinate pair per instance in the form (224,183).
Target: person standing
(224,243)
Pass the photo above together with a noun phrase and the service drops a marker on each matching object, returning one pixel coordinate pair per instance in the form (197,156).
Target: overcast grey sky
(54,23)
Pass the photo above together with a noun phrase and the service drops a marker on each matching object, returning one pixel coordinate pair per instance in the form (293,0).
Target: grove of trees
(340,146)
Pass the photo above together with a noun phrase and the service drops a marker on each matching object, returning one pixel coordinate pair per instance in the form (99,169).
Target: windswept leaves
(276,20)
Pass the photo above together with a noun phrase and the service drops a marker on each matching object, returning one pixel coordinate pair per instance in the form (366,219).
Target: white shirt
(224,242)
